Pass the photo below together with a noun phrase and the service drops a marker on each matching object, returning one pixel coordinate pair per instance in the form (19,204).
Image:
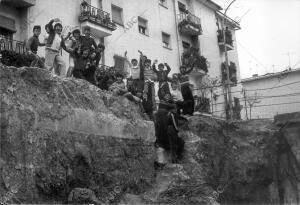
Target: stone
(83,196)
(59,134)
(64,140)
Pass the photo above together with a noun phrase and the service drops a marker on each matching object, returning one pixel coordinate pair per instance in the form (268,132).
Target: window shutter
(166,39)
(119,63)
(117,15)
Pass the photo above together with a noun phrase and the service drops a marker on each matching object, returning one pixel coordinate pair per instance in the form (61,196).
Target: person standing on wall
(55,43)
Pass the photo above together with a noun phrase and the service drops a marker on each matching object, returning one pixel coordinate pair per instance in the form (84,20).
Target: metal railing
(189,18)
(228,34)
(96,15)
(12,45)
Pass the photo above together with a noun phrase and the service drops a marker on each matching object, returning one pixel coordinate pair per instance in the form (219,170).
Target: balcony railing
(96,16)
(12,45)
(229,41)
(232,73)
(189,24)
(192,58)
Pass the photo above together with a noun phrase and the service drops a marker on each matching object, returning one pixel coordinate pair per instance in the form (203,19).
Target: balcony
(98,20)
(12,45)
(192,58)
(19,3)
(189,24)
(229,41)
(232,74)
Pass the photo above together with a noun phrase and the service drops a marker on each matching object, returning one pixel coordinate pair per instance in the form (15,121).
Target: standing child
(162,75)
(74,47)
(87,41)
(54,45)
(148,77)
(32,46)
(137,85)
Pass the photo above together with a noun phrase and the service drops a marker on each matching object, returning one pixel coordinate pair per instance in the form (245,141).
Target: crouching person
(119,88)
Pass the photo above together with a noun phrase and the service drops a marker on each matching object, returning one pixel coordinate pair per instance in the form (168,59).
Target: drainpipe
(177,31)
(228,88)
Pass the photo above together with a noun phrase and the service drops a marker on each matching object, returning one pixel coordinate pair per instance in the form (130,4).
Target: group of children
(84,53)
(84,57)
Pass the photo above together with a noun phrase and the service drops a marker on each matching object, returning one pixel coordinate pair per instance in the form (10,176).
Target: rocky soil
(66,141)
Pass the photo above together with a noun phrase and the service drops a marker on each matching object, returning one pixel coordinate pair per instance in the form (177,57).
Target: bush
(192,58)
(12,58)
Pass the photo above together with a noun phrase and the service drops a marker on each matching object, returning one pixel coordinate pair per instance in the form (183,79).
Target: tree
(192,59)
(252,100)
(209,89)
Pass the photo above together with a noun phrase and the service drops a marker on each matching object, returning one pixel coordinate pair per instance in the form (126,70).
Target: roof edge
(211,4)
(230,20)
(269,76)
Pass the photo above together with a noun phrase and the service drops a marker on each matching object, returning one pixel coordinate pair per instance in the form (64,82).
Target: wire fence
(249,103)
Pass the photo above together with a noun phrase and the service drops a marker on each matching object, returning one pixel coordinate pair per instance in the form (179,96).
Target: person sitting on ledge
(119,88)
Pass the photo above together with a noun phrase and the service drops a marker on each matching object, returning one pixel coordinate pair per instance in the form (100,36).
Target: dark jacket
(33,43)
(161,75)
(51,34)
(87,43)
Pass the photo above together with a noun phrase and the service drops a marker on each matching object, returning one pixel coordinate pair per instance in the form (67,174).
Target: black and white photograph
(150,102)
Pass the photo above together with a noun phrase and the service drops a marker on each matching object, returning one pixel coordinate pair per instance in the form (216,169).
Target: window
(185,46)
(99,4)
(119,63)
(163,3)
(166,39)
(6,34)
(143,26)
(182,7)
(117,15)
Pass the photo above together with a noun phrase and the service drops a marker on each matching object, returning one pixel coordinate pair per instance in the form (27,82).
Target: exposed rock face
(61,134)
(252,161)
(63,140)
(288,158)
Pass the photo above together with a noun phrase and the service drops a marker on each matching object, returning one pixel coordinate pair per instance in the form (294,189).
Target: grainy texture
(60,134)
(64,140)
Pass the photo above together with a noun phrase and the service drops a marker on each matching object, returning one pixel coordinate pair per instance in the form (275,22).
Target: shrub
(192,58)
(12,58)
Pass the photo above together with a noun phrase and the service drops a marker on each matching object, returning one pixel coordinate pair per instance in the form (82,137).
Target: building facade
(272,94)
(161,29)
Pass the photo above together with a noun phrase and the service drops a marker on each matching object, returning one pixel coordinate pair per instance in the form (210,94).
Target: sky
(270,30)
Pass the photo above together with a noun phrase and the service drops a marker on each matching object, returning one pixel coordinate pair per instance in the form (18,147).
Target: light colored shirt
(56,45)
(135,72)
(149,74)
(176,94)
(46,39)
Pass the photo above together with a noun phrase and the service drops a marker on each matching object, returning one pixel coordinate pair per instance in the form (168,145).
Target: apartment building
(161,29)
